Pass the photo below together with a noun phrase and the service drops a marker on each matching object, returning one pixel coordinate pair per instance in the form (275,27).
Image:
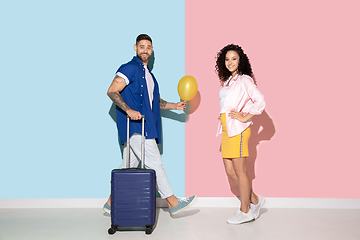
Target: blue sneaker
(107,208)
(183,203)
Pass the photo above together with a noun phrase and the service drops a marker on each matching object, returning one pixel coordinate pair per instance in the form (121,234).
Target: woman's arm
(240,116)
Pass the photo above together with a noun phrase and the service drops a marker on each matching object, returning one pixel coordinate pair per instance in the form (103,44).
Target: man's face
(143,50)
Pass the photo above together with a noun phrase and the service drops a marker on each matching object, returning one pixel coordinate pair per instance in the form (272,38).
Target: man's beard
(144,58)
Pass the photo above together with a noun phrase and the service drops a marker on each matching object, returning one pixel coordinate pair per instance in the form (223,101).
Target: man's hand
(175,106)
(134,115)
(181,105)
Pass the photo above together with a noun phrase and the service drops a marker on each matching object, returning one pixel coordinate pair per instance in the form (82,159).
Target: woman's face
(232,61)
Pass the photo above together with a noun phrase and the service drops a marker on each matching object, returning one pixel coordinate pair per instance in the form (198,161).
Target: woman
(239,101)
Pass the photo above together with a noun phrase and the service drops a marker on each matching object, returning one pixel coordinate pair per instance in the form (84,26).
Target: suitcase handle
(142,141)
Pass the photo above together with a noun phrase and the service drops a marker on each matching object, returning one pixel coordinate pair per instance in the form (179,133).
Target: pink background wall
(305,57)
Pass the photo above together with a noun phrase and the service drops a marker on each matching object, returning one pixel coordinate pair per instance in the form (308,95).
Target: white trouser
(152,161)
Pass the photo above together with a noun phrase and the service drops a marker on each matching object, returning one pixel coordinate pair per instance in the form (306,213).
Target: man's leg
(134,162)
(153,161)
(134,157)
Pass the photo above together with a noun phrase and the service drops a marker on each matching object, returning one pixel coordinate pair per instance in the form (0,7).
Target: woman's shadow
(263,129)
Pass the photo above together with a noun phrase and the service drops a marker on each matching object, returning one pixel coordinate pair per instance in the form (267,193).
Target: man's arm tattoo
(162,103)
(118,100)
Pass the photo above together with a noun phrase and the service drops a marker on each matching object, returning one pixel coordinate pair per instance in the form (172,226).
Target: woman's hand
(237,115)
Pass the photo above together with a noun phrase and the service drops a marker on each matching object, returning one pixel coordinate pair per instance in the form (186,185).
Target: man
(135,92)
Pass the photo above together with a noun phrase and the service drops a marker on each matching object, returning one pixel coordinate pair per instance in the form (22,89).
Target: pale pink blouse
(241,95)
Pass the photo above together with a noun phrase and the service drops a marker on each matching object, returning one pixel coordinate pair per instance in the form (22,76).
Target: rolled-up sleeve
(256,97)
(126,72)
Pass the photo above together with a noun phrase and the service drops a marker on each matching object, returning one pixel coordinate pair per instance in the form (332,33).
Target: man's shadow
(263,129)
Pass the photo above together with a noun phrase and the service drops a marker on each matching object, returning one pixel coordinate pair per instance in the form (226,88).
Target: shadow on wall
(112,113)
(193,105)
(263,129)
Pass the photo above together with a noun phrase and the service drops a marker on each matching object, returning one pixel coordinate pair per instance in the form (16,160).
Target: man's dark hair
(143,37)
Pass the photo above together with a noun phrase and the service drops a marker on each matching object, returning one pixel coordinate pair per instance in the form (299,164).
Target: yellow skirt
(234,147)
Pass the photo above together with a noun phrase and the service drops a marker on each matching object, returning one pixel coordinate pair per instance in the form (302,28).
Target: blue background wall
(57,59)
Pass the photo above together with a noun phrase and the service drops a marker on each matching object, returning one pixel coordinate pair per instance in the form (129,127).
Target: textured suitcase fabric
(133,197)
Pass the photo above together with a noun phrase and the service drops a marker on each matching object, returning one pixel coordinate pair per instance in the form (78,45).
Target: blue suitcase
(133,196)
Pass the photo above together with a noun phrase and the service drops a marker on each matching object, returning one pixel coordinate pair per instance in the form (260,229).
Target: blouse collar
(232,79)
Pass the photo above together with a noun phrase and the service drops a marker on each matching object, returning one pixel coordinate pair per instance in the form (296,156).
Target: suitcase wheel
(112,230)
(148,229)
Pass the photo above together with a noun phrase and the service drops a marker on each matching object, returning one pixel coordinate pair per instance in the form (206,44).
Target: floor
(195,223)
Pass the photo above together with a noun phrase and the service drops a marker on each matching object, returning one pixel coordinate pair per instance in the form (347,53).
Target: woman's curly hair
(244,64)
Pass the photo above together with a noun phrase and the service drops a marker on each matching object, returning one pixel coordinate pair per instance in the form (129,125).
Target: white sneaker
(255,209)
(240,217)
(235,215)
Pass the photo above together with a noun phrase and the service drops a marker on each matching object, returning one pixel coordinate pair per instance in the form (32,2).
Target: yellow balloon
(187,87)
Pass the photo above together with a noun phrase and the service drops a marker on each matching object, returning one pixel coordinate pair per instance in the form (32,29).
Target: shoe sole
(244,221)
(180,210)
(107,210)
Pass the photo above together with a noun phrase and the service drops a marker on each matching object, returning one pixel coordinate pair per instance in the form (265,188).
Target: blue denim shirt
(136,96)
